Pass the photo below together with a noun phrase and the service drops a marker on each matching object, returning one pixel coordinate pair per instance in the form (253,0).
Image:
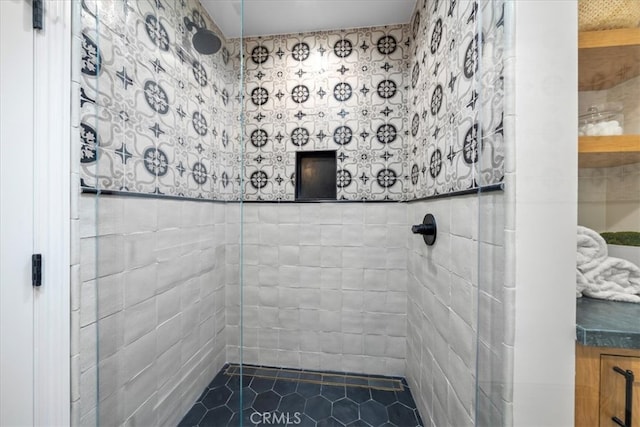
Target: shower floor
(281,397)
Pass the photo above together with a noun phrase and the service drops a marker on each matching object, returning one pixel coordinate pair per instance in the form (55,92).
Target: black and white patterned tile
(340,90)
(411,110)
(455,97)
(156,116)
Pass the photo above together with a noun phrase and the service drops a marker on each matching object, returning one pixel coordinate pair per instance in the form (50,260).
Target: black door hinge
(38,14)
(36,269)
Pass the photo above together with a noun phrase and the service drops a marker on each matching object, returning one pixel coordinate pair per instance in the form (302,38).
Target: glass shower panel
(159,140)
(87,62)
(495,296)
(339,298)
(325,281)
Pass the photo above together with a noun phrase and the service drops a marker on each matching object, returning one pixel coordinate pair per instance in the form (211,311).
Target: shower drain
(317,377)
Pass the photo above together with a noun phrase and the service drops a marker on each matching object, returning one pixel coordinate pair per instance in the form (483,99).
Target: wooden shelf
(607,58)
(608,151)
(609,38)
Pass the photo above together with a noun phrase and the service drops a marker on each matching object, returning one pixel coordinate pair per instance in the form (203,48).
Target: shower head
(204,41)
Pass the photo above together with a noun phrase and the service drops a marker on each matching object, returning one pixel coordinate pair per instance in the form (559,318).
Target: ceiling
(265,17)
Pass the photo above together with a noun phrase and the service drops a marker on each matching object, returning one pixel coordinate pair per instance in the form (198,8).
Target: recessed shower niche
(316,175)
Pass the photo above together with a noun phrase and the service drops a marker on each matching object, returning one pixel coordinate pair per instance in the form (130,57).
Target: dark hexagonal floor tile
(406,398)
(266,401)
(234,382)
(384,397)
(308,390)
(219,379)
(194,416)
(358,394)
(284,387)
(318,408)
(261,384)
(292,403)
(248,397)
(216,397)
(216,417)
(332,392)
(374,413)
(330,422)
(305,421)
(316,405)
(345,410)
(400,415)
(246,419)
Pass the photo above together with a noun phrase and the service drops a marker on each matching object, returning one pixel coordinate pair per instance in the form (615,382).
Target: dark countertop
(601,323)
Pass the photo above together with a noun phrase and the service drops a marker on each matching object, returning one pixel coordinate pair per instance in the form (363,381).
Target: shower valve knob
(428,229)
(423,229)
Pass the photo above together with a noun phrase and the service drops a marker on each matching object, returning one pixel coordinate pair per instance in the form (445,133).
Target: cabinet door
(613,390)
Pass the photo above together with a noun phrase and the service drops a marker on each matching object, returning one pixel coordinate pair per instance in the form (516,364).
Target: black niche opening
(316,175)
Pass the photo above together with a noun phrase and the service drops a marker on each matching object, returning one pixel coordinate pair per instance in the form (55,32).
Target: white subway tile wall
(154,306)
(443,326)
(317,294)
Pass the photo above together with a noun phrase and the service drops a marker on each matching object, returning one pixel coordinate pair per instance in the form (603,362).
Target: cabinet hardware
(628,397)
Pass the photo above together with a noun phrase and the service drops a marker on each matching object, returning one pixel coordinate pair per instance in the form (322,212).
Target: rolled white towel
(592,249)
(581,283)
(613,279)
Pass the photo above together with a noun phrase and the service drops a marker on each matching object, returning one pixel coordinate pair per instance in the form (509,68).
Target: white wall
(150,300)
(609,198)
(324,285)
(541,72)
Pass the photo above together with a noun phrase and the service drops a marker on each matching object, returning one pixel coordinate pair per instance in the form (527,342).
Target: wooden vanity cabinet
(602,391)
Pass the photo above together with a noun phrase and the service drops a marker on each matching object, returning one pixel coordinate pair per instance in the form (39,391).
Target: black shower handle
(428,229)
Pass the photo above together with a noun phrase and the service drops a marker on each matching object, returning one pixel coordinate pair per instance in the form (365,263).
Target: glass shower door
(158,136)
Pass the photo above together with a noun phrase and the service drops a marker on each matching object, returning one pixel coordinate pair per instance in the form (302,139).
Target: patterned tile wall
(337,90)
(410,109)
(455,97)
(156,116)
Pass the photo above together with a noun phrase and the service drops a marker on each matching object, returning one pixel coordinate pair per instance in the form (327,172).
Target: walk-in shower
(213,289)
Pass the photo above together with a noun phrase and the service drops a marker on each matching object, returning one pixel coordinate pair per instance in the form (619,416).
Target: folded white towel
(592,249)
(581,283)
(615,279)
(603,277)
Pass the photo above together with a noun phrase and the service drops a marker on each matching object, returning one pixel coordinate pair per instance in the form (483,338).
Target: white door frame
(16,214)
(49,98)
(52,199)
